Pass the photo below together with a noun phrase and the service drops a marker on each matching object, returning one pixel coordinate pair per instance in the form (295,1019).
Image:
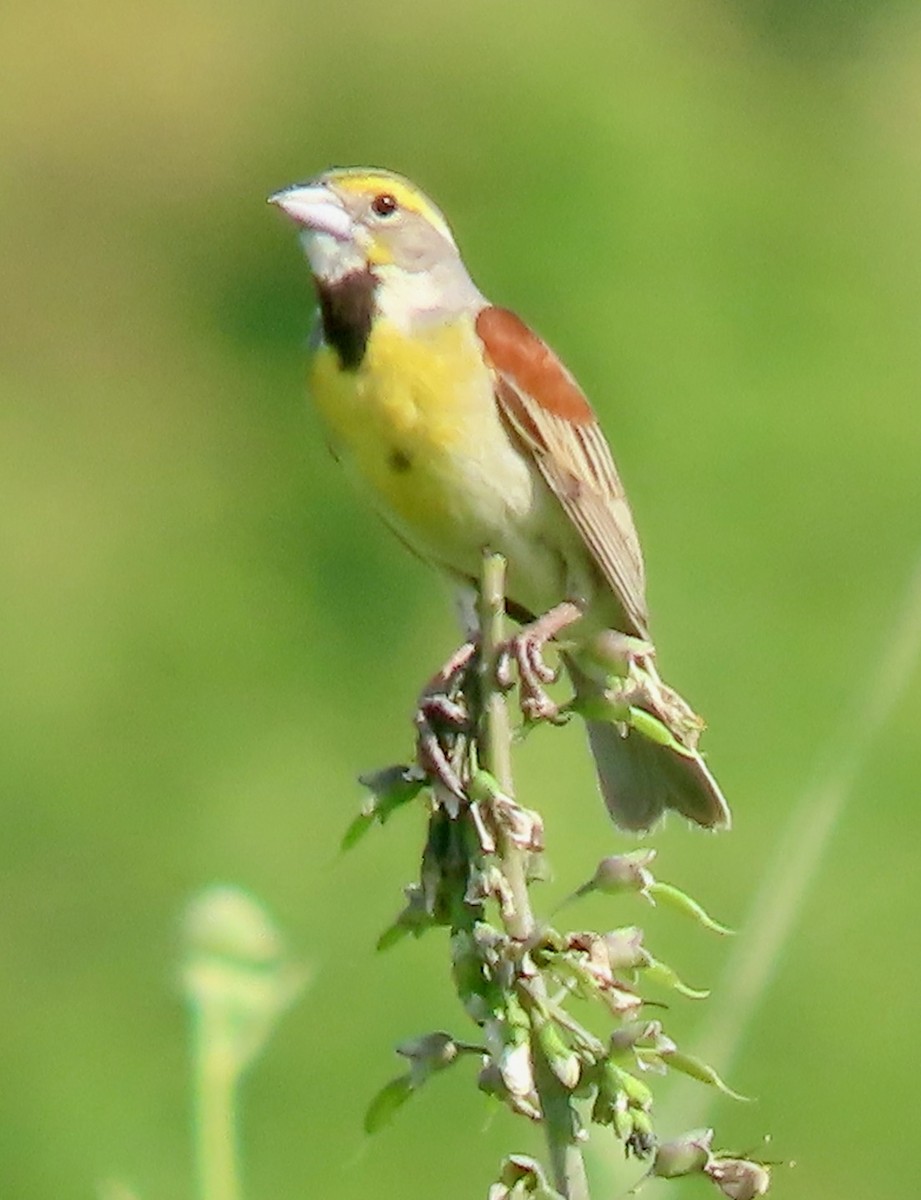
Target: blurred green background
(711,210)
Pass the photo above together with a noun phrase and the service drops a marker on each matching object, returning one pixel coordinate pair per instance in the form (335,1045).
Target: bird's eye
(383,205)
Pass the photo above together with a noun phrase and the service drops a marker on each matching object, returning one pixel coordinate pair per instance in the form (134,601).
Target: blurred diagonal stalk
(798,854)
(239,981)
(216,1140)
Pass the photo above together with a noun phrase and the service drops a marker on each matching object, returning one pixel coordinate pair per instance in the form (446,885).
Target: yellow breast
(417,422)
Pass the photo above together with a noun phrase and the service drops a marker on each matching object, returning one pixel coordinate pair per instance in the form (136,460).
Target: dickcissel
(470,433)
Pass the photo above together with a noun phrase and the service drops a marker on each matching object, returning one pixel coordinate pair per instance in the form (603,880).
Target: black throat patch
(346,308)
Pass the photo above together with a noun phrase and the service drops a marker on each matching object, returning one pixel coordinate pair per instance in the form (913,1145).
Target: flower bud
(491,1082)
(621,1000)
(612,1105)
(516,1069)
(427,1054)
(739,1178)
(521,1176)
(638,1094)
(685,1155)
(596,961)
(561,1060)
(522,826)
(624,872)
(642,1139)
(622,1119)
(625,949)
(629,1035)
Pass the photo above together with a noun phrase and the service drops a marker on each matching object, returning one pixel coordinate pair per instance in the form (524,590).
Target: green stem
(560,1120)
(216,1076)
(560,1124)
(495,735)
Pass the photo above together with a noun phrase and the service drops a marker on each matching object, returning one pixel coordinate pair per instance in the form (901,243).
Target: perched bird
(470,433)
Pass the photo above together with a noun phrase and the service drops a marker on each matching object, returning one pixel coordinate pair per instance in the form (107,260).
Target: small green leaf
(622,1122)
(561,1060)
(696,1069)
(610,1101)
(600,706)
(638,1094)
(573,975)
(390,789)
(661,973)
(415,919)
(357,830)
(672,897)
(392,934)
(393,1095)
(652,728)
(484,786)
(393,786)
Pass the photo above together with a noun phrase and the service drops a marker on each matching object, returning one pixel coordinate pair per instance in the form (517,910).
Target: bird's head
(359,220)
(357,216)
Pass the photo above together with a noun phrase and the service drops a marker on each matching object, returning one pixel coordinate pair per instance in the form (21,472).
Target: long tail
(640,778)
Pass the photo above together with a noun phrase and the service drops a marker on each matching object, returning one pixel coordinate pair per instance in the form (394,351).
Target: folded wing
(549,414)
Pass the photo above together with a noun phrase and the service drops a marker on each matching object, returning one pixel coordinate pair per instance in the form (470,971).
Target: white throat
(330,258)
(409,299)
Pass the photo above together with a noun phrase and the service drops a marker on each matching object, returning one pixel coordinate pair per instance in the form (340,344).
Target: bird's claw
(533,672)
(444,679)
(433,759)
(438,708)
(440,717)
(504,679)
(536,705)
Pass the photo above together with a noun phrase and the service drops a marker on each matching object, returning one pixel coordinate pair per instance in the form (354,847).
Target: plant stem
(495,732)
(495,735)
(216,1077)
(560,1125)
(560,1120)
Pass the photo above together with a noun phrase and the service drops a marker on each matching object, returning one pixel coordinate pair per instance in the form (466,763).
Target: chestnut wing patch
(547,410)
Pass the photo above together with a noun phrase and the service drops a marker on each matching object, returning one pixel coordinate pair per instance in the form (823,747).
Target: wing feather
(551,417)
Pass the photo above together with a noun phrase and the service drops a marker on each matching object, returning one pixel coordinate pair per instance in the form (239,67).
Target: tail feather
(640,779)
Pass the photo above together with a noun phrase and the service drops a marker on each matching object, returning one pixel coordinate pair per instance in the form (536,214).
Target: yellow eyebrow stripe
(407,196)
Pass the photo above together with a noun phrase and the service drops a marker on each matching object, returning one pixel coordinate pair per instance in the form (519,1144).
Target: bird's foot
(533,672)
(440,716)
